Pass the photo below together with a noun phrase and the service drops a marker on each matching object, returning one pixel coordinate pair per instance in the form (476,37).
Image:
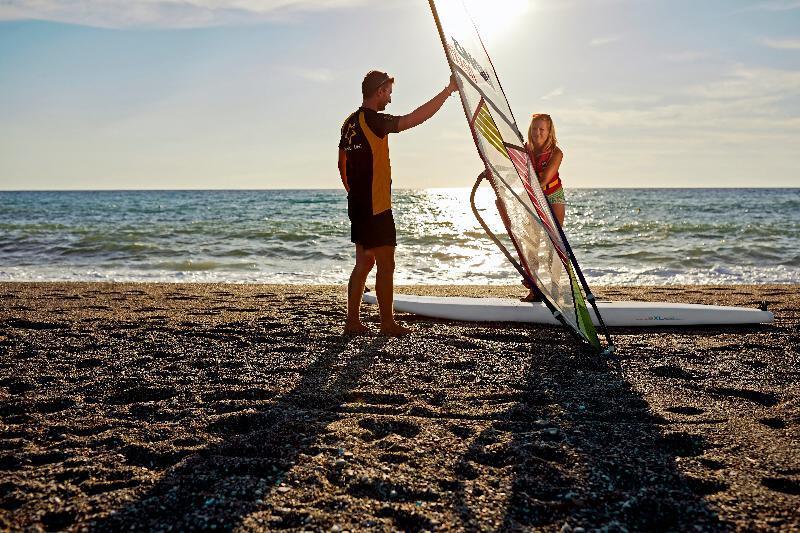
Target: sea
(619,236)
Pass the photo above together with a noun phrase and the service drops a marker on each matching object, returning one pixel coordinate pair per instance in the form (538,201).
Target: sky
(251,94)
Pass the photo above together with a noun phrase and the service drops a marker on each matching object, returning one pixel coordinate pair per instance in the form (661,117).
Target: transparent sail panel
(523,207)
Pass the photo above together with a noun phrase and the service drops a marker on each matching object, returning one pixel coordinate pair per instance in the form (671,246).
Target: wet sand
(183,407)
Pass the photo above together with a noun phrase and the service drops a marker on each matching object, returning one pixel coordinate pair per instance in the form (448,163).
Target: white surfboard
(614,313)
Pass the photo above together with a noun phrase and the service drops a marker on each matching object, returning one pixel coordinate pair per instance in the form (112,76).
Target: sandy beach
(183,407)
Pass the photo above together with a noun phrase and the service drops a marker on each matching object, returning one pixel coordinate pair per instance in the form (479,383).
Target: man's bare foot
(395,330)
(531,297)
(356,328)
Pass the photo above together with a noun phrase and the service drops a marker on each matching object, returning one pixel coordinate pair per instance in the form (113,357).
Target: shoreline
(427,288)
(188,405)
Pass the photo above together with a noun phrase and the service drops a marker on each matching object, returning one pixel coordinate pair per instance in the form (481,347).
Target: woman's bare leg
(559,210)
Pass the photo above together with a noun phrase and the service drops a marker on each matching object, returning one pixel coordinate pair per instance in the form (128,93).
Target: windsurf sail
(544,255)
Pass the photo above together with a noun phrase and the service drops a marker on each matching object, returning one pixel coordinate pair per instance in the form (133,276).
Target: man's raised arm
(428,109)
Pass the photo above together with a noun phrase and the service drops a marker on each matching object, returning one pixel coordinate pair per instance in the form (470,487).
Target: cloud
(744,110)
(164,13)
(747,82)
(777,5)
(565,5)
(554,93)
(602,41)
(316,75)
(687,56)
(781,44)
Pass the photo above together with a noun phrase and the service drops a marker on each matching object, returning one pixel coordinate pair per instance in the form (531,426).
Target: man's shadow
(585,449)
(221,485)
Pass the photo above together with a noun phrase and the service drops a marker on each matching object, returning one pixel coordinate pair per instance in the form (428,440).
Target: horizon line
(394,189)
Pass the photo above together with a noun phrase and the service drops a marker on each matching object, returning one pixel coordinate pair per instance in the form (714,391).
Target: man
(366,175)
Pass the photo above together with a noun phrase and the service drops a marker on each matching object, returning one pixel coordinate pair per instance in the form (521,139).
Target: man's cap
(373,80)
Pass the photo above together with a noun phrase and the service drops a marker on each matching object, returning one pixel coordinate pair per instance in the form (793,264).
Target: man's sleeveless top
(539,164)
(365,141)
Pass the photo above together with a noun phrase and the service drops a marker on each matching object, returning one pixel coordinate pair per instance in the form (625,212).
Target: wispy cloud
(775,5)
(744,108)
(747,82)
(565,5)
(602,41)
(687,56)
(554,93)
(315,75)
(781,44)
(164,13)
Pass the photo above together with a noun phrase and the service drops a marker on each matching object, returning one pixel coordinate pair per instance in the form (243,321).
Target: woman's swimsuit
(552,189)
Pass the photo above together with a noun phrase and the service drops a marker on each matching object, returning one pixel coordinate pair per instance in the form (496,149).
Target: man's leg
(384,288)
(365,260)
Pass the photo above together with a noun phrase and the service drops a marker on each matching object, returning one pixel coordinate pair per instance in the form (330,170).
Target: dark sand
(138,407)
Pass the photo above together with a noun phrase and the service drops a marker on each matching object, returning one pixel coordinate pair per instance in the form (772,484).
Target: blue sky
(251,94)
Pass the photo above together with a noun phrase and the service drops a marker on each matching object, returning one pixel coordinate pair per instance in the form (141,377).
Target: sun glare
(493,17)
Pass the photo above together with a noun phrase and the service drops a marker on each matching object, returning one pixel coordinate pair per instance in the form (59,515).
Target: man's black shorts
(371,231)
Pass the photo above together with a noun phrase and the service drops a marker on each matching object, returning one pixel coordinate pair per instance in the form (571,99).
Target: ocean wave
(718,275)
(713,275)
(619,236)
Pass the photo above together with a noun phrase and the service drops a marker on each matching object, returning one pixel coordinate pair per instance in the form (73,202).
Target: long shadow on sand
(583,448)
(223,484)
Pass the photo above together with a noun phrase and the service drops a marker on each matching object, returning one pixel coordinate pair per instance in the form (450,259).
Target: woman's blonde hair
(551,141)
